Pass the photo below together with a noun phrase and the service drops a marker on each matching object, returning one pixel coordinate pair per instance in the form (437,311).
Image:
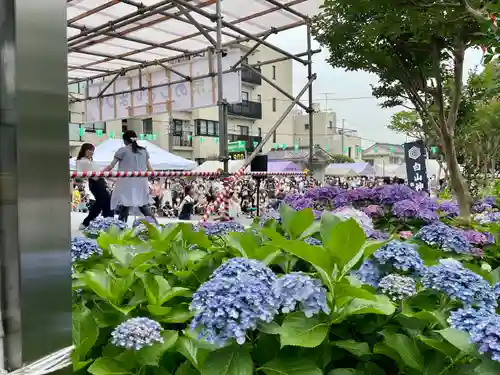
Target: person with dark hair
(131,191)
(187,204)
(97,186)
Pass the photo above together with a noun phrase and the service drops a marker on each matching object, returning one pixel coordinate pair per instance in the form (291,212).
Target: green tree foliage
(338,159)
(417,49)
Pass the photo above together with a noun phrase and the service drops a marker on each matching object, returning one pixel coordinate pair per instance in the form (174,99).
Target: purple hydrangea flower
(374,210)
(486,334)
(478,238)
(312,241)
(466,319)
(450,208)
(399,256)
(487,218)
(361,218)
(141,220)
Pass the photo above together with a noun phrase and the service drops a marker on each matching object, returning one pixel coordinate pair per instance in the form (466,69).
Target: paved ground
(77,218)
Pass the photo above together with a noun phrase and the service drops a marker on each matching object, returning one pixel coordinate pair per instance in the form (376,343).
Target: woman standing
(186,207)
(131,191)
(97,186)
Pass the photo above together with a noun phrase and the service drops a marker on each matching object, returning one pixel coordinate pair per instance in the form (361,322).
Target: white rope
(46,365)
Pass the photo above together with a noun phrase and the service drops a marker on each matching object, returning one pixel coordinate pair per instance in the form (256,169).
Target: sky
(349,93)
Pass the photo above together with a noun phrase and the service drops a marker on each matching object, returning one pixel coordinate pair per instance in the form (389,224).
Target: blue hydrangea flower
(83,249)
(458,283)
(297,291)
(270,215)
(487,218)
(444,237)
(399,256)
(398,287)
(496,290)
(486,334)
(137,333)
(377,235)
(226,308)
(369,273)
(220,228)
(361,218)
(141,221)
(236,268)
(312,241)
(103,224)
(466,319)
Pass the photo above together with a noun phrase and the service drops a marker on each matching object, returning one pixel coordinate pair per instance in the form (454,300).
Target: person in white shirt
(97,186)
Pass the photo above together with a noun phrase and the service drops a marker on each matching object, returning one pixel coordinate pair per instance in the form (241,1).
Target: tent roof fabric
(282,166)
(214,165)
(105,36)
(362,169)
(160,159)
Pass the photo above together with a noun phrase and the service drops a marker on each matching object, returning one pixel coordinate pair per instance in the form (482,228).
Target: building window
(207,128)
(147,126)
(274,71)
(274,104)
(259,98)
(274,137)
(177,127)
(95,127)
(244,96)
(349,152)
(306,126)
(244,130)
(259,132)
(357,150)
(330,124)
(124,126)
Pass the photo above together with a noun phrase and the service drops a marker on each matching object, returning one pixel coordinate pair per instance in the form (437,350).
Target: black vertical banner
(416,170)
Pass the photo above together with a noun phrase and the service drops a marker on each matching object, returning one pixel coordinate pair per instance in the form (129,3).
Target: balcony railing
(75,133)
(182,141)
(246,109)
(249,76)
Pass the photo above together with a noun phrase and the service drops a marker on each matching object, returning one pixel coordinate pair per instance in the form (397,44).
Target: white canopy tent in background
(214,165)
(160,159)
(350,169)
(433,168)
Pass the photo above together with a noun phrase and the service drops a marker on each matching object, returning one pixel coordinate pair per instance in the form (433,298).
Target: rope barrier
(115,174)
(51,363)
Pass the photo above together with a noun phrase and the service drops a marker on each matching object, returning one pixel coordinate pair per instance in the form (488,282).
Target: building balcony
(249,76)
(246,109)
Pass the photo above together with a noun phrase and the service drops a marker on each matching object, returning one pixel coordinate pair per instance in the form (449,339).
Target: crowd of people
(183,197)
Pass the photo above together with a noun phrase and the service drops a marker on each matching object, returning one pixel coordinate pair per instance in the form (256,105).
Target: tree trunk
(458,183)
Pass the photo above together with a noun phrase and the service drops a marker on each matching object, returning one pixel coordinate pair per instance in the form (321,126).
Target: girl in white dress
(131,191)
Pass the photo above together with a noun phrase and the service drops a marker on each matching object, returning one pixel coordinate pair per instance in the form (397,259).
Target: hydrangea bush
(301,296)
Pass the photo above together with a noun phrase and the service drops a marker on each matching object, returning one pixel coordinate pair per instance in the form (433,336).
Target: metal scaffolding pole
(278,123)
(241,31)
(222,104)
(310,110)
(144,64)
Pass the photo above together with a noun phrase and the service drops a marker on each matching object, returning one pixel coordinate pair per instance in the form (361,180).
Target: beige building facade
(383,154)
(194,134)
(326,134)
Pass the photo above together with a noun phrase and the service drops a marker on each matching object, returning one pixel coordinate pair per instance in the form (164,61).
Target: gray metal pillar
(310,110)
(35,273)
(222,103)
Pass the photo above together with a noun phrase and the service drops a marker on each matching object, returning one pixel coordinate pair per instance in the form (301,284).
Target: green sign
(239,146)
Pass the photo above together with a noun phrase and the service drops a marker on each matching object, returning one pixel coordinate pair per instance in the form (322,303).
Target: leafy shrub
(264,301)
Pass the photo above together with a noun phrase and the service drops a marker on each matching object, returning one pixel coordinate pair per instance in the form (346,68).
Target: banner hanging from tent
(416,170)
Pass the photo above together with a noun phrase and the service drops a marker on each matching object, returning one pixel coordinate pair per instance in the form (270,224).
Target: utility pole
(342,139)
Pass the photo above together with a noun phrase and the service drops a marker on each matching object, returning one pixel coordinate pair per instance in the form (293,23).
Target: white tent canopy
(214,165)
(159,158)
(350,169)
